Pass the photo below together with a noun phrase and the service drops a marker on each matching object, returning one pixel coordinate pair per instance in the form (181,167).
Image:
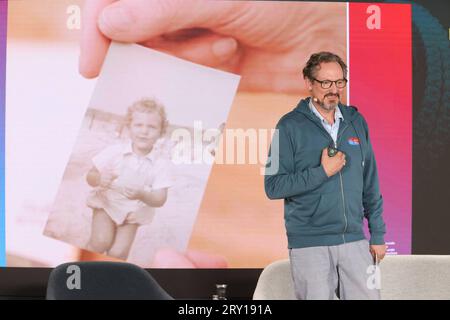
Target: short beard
(329,107)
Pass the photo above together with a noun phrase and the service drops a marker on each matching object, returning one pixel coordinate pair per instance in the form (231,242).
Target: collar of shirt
(128,149)
(337,113)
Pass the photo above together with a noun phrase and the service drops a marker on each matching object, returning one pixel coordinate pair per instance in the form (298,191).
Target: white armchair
(403,277)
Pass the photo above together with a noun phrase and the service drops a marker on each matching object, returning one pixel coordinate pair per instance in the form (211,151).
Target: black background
(431,171)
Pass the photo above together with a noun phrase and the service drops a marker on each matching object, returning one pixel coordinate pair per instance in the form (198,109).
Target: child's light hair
(147,105)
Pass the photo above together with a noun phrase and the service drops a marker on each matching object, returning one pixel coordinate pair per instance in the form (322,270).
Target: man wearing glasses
(327,176)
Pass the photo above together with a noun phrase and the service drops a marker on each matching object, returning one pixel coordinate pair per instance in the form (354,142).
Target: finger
(379,257)
(211,50)
(139,20)
(111,179)
(206,260)
(279,82)
(93,44)
(170,258)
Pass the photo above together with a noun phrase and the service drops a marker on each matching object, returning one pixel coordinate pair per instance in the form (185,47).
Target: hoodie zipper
(343,204)
(342,186)
(340,175)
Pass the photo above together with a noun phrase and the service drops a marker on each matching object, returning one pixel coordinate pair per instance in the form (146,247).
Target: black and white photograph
(133,184)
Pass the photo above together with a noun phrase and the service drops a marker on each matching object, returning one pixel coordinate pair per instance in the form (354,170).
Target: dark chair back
(101,280)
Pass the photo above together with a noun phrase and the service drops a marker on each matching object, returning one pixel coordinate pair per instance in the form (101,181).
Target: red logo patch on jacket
(353,141)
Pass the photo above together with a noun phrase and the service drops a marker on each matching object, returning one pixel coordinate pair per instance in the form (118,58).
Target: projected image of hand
(265,42)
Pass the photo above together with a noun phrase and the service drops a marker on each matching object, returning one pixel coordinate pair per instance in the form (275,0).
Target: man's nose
(334,89)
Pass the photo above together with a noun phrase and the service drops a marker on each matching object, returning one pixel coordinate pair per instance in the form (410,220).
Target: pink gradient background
(381,88)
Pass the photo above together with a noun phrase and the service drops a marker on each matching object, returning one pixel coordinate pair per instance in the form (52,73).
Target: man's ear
(308,84)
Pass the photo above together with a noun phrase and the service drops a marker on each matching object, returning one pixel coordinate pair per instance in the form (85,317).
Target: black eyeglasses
(326,84)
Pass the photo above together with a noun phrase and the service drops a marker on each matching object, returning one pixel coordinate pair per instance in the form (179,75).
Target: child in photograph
(129,179)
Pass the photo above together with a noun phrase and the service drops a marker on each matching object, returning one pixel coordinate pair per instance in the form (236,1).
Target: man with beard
(328,178)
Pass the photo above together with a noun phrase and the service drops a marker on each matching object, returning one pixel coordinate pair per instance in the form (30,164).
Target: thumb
(324,153)
(137,20)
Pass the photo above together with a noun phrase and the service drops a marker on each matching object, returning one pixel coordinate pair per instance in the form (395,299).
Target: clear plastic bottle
(221,291)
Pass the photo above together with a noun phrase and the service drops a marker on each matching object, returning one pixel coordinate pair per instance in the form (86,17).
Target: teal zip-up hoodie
(321,210)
